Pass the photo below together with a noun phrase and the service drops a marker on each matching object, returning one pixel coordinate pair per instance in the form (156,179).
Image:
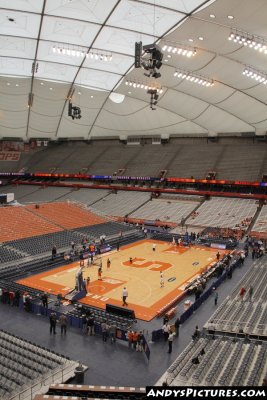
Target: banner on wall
(9,156)
(12,146)
(17,146)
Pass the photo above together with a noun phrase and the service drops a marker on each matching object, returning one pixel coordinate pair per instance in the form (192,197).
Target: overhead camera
(153,98)
(151,61)
(74,111)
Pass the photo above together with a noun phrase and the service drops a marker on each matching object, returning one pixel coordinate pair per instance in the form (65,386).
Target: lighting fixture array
(194,78)
(183,51)
(145,86)
(254,42)
(78,52)
(253,74)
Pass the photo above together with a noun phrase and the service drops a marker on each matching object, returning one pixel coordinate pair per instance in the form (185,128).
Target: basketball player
(154,246)
(99,274)
(161,279)
(108,263)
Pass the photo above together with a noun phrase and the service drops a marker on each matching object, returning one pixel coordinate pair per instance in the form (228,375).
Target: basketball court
(141,276)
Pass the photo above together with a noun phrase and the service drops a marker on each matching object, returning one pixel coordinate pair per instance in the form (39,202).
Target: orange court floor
(141,277)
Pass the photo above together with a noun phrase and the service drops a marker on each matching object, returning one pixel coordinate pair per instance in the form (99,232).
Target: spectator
(140,342)
(130,339)
(215,296)
(250,293)
(44,299)
(135,339)
(196,333)
(242,293)
(54,252)
(53,322)
(105,330)
(63,321)
(91,325)
(177,324)
(112,332)
(170,340)
(166,330)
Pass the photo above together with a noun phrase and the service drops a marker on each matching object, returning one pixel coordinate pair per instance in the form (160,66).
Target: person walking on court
(108,263)
(63,321)
(161,279)
(124,296)
(218,256)
(170,340)
(99,274)
(154,246)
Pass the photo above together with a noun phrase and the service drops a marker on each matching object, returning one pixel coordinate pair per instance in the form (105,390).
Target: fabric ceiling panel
(94,10)
(114,26)
(143,18)
(59,30)
(39,121)
(120,41)
(34,6)
(258,91)
(97,79)
(119,64)
(244,107)
(45,53)
(221,121)
(17,47)
(185,6)
(184,105)
(245,14)
(145,120)
(23,24)
(215,37)
(69,128)
(56,72)
(15,67)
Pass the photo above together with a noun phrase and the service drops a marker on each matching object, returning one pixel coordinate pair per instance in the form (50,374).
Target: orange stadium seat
(19,223)
(66,215)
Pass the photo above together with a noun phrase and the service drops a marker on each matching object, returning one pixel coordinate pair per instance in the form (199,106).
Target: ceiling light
(8,84)
(42,83)
(188,76)
(212,16)
(258,76)
(81,52)
(190,40)
(79,93)
(201,38)
(181,50)
(92,97)
(17,84)
(230,16)
(130,92)
(50,88)
(141,85)
(246,39)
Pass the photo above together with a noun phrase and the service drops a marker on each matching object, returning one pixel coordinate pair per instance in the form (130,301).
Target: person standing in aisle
(170,340)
